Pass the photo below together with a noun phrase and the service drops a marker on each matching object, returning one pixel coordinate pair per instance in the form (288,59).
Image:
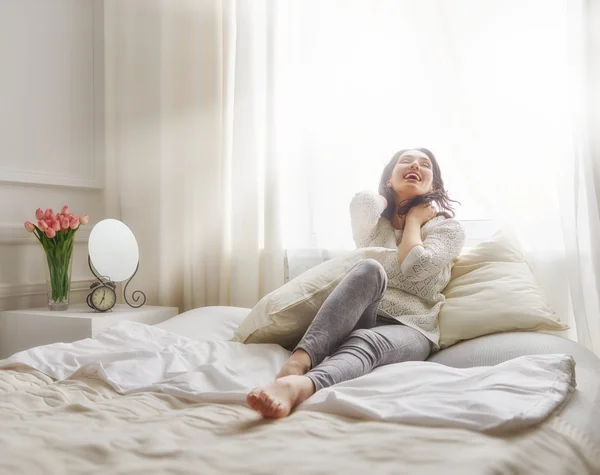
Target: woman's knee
(370,265)
(371,269)
(385,345)
(364,341)
(424,349)
(364,334)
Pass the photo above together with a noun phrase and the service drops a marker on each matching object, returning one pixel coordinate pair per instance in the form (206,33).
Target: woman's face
(412,174)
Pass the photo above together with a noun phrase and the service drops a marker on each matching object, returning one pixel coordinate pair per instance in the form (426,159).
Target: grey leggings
(347,339)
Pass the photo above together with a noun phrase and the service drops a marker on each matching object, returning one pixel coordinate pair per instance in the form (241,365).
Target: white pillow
(493,290)
(206,323)
(284,315)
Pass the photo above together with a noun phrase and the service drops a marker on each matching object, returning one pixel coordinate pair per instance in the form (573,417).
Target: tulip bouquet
(56,232)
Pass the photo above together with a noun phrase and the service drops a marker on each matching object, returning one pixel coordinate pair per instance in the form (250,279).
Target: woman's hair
(438,194)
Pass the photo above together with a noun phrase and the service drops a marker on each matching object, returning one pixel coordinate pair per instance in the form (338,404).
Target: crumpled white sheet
(134,357)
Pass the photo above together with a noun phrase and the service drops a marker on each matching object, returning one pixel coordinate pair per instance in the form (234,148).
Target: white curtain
(583,217)
(495,89)
(189,158)
(237,129)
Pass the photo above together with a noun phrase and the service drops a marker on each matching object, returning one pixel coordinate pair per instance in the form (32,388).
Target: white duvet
(133,357)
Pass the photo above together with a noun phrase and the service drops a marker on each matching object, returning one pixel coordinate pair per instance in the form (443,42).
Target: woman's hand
(422,213)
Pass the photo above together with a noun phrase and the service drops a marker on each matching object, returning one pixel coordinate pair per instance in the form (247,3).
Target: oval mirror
(113,250)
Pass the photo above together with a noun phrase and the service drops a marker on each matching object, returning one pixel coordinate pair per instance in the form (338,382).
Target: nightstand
(24,329)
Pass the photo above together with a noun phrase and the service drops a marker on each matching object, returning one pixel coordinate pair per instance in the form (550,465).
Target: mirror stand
(136,295)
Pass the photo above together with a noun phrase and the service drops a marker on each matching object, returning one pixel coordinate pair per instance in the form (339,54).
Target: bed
(81,425)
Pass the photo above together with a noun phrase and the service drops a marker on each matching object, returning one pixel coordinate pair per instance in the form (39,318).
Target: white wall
(51,135)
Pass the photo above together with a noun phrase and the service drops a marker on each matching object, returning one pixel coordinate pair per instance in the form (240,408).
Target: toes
(253,398)
(269,402)
(265,399)
(266,404)
(272,407)
(269,406)
(259,400)
(278,410)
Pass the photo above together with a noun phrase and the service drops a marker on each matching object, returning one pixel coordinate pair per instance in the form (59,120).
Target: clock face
(104,298)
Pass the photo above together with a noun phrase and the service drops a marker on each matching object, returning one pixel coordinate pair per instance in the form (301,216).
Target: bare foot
(277,399)
(291,367)
(298,364)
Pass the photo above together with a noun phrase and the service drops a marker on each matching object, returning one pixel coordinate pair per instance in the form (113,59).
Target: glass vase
(59,261)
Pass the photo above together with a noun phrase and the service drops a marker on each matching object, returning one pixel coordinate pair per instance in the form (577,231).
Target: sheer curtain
(189,158)
(492,88)
(583,214)
(238,129)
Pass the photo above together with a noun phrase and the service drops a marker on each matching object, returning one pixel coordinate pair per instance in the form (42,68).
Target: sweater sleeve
(440,247)
(369,228)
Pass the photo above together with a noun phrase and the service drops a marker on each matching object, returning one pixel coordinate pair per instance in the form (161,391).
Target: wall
(51,135)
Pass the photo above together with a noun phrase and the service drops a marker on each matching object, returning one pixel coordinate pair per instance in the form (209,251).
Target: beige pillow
(284,315)
(493,290)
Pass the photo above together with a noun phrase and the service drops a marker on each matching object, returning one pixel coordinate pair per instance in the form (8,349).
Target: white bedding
(82,426)
(133,357)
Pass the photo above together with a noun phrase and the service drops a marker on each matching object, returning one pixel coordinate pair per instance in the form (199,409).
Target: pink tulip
(49,213)
(84,219)
(50,233)
(65,210)
(39,214)
(42,225)
(75,223)
(64,222)
(29,226)
(56,225)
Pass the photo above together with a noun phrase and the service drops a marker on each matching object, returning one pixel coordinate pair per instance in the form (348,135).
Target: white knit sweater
(413,295)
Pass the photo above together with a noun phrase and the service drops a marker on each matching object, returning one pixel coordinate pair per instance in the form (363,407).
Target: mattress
(81,425)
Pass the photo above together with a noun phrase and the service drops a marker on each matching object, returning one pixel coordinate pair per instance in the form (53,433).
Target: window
(484,85)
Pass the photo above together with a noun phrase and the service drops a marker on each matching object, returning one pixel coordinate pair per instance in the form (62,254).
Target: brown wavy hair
(438,194)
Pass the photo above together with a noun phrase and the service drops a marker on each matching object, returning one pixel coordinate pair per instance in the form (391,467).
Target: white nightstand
(24,329)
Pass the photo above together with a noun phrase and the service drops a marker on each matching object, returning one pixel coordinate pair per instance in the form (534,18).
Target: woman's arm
(420,259)
(369,229)
(415,219)
(411,237)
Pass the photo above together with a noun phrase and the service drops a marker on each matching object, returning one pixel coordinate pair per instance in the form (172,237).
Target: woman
(379,313)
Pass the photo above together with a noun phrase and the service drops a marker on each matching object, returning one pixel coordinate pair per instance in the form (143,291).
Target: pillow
(284,315)
(491,290)
(206,323)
